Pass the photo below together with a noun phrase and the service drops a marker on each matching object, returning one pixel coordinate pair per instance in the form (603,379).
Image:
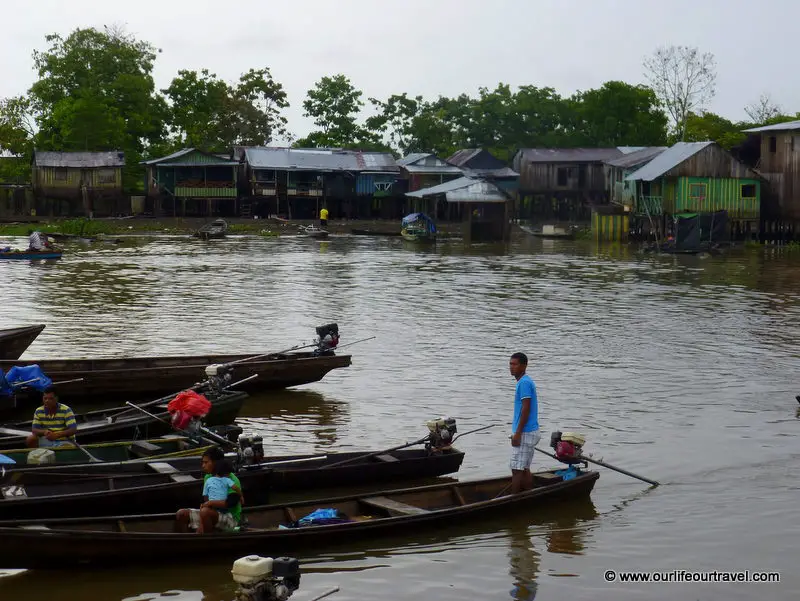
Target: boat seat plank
(166,468)
(546,477)
(14,432)
(386,458)
(393,507)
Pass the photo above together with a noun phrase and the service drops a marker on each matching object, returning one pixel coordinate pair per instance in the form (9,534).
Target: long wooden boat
(168,485)
(31,255)
(150,377)
(127,423)
(15,341)
(126,540)
(110,453)
(212,230)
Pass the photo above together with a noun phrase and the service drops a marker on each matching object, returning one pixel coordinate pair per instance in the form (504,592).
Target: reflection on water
(681,368)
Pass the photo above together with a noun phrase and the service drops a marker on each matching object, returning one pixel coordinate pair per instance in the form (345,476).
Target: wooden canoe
(31,255)
(112,452)
(213,230)
(168,485)
(151,377)
(126,423)
(127,540)
(15,341)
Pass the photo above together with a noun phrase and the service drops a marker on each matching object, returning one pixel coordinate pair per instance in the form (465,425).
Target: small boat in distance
(216,229)
(15,341)
(30,255)
(418,227)
(312,231)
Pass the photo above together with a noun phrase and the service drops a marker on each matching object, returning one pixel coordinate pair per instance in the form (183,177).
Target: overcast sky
(433,47)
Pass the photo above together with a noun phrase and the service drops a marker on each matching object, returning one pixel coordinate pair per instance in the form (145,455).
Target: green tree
(709,126)
(619,114)
(334,104)
(95,91)
(16,125)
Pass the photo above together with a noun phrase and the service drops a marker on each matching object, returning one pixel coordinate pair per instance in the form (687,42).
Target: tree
(197,110)
(257,101)
(709,126)
(16,126)
(334,104)
(396,119)
(95,91)
(762,110)
(619,114)
(683,79)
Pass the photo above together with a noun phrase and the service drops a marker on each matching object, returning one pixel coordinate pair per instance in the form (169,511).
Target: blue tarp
(569,473)
(414,217)
(32,375)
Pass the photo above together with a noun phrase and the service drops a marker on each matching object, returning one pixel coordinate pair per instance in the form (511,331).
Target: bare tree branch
(683,79)
(762,110)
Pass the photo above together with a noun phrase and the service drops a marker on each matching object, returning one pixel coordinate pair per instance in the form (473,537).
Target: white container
(574,438)
(251,569)
(41,457)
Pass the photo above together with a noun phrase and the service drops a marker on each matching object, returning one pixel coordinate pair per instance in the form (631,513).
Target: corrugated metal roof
(669,159)
(637,157)
(413,158)
(464,189)
(82,160)
(460,157)
(788,126)
(319,159)
(170,158)
(569,155)
(502,172)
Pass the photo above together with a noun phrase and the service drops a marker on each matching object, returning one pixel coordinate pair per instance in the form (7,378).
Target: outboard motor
(328,338)
(441,433)
(568,446)
(265,578)
(218,377)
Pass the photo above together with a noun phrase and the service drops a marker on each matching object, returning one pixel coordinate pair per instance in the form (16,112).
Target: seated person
(37,241)
(53,423)
(220,512)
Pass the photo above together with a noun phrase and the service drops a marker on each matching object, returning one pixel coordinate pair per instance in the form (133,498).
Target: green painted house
(698,177)
(193,182)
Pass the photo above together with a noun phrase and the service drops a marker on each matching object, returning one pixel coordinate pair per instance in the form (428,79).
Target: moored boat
(15,341)
(312,231)
(418,227)
(30,255)
(212,230)
(275,529)
(128,423)
(169,484)
(87,382)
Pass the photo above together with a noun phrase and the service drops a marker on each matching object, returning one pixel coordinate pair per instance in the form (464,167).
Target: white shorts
(522,456)
(225,522)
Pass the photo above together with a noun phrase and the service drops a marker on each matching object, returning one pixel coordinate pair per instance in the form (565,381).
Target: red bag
(191,403)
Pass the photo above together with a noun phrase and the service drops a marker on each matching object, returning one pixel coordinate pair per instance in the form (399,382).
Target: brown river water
(683,369)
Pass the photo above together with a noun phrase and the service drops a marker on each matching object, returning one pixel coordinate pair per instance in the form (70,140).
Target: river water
(683,369)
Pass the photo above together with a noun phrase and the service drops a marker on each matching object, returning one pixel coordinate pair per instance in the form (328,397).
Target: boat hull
(151,377)
(147,538)
(29,255)
(15,341)
(98,489)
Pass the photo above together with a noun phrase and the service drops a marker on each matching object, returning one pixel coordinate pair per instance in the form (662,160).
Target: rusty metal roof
(80,160)
(460,157)
(569,155)
(637,157)
(667,160)
(319,159)
(464,189)
(788,126)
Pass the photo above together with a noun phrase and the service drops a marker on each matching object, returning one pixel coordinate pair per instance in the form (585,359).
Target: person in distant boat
(525,427)
(53,423)
(37,241)
(323,216)
(214,513)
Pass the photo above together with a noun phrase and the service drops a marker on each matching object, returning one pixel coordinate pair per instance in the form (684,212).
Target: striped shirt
(62,419)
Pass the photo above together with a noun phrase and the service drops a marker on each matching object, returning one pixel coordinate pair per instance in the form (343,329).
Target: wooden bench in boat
(14,432)
(166,468)
(392,506)
(546,477)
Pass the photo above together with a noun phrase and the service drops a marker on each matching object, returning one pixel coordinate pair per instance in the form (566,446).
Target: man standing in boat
(53,423)
(525,427)
(209,516)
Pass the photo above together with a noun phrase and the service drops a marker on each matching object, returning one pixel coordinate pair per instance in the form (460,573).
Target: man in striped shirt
(53,423)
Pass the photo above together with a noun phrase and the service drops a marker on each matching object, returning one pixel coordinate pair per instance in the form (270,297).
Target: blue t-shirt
(217,488)
(526,389)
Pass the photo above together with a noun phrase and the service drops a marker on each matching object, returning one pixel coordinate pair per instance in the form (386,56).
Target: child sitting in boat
(217,488)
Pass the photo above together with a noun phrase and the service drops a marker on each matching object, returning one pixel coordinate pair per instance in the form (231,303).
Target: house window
(60,174)
(748,191)
(773,144)
(562,175)
(106,176)
(697,190)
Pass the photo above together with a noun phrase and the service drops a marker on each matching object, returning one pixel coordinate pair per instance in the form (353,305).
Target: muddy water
(683,369)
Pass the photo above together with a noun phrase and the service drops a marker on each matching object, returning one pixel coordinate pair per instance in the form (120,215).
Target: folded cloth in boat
(568,474)
(319,517)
